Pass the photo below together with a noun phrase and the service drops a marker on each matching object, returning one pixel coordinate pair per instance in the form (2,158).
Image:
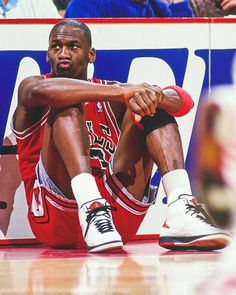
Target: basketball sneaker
(98,229)
(189,227)
(217,154)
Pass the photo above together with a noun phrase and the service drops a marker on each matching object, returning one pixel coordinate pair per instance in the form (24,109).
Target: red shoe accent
(165,225)
(95,205)
(194,201)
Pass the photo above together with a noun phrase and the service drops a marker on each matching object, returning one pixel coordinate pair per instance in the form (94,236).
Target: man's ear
(92,55)
(47,58)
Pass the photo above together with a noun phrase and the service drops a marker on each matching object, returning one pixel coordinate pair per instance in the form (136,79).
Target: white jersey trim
(28,131)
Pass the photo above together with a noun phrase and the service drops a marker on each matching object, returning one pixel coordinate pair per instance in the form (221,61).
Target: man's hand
(143,99)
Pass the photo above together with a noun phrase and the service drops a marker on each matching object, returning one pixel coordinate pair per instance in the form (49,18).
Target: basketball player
(86,158)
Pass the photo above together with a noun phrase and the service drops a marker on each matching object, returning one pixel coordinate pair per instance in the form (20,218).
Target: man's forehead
(66,32)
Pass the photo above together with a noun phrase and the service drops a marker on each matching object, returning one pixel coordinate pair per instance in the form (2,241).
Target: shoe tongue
(194,201)
(94,205)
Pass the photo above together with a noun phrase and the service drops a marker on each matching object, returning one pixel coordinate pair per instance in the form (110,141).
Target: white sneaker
(188,227)
(97,226)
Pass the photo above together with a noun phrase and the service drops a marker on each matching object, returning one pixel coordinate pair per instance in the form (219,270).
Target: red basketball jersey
(29,145)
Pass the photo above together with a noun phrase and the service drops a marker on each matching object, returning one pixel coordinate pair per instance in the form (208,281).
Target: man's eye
(74,46)
(56,47)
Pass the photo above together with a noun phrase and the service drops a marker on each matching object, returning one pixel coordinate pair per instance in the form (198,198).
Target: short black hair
(74,23)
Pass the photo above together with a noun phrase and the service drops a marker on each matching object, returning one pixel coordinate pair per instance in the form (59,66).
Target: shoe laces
(199,212)
(104,223)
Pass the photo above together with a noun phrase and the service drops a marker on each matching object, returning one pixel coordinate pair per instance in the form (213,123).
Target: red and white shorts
(54,218)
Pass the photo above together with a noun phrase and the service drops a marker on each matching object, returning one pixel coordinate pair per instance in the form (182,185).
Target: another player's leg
(216,158)
(216,155)
(66,160)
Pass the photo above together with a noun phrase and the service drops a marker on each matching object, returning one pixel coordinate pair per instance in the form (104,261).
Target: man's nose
(64,52)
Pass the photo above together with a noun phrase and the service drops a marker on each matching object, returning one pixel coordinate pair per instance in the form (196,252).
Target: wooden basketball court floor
(142,267)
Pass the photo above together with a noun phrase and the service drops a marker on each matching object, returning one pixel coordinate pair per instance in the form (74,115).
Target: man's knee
(160,119)
(66,112)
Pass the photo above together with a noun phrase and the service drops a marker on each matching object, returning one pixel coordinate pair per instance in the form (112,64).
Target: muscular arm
(65,92)
(36,95)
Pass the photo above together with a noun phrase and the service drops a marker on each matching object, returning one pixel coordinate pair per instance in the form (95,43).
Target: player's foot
(97,225)
(189,227)
(217,156)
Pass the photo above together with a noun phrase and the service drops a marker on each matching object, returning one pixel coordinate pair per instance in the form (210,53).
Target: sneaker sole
(106,247)
(200,243)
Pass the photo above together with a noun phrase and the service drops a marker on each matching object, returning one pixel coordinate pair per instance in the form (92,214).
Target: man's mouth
(65,65)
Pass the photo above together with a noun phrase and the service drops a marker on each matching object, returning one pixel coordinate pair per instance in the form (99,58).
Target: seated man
(85,163)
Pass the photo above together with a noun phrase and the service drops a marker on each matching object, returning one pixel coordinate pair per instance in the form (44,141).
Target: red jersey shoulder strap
(47,75)
(98,81)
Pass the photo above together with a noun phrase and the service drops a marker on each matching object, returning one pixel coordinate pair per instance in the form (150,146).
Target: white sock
(84,188)
(175,183)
